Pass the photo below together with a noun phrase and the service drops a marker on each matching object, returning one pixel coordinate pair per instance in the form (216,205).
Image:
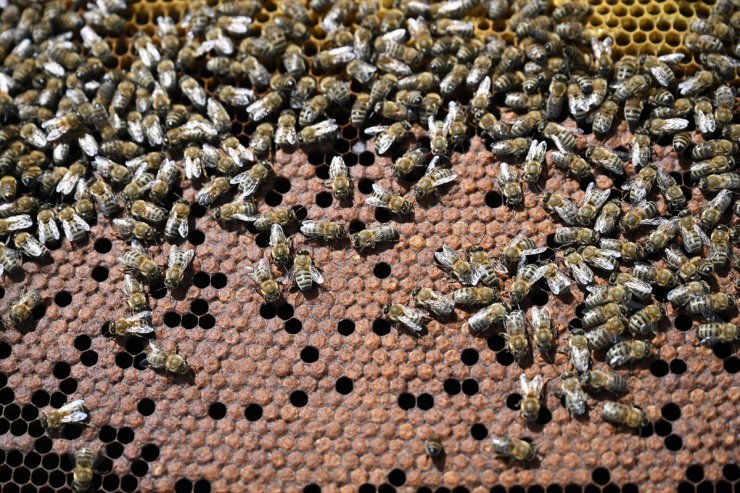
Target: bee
(280,247)
(692,235)
(638,214)
(604,117)
(360,110)
(534,161)
(212,191)
(645,321)
(716,165)
(266,106)
(627,352)
(516,339)
(704,116)
(699,82)
(146,211)
(438,133)
(640,185)
(571,234)
(517,147)
(582,273)
(250,180)
(541,323)
(243,211)
(30,246)
(623,414)
(557,282)
(318,132)
(565,208)
(387,136)
(605,158)
(368,238)
(261,139)
(313,110)
(323,229)
(556,97)
(597,380)
(129,228)
(570,389)
(475,296)
(531,391)
(135,295)
(235,96)
(285,133)
(688,269)
(639,288)
(137,260)
(722,181)
(430,105)
(138,325)
(434,302)
(177,221)
(685,293)
(71,413)
(177,262)
(33,136)
(482,99)
(21,310)
(519,248)
(434,177)
(601,313)
(411,318)
(407,163)
(394,203)
(266,285)
(572,163)
(341,183)
(580,355)
(457,265)
(672,193)
(433,448)
(281,216)
(104,197)
(640,151)
(720,247)
(607,334)
(711,148)
(659,238)
(508,179)
(15,223)
(709,304)
(82,474)
(511,448)
(487,269)
(10,260)
(22,205)
(303,272)
(607,219)
(483,319)
(654,275)
(717,332)
(600,258)
(75,228)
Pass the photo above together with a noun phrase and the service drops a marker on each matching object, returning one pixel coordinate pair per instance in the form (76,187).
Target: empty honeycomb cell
(639,38)
(655,38)
(619,10)
(637,11)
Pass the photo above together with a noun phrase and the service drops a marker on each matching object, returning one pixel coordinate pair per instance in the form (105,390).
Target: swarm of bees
(78,140)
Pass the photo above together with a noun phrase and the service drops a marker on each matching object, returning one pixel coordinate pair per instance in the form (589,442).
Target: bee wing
(582,273)
(704,238)
(140,329)
(641,288)
(395,36)
(536,151)
(307,225)
(484,88)
(72,406)
(530,387)
(606,261)
(375,202)
(601,197)
(245,218)
(447,257)
(451,116)
(705,121)
(277,235)
(558,284)
(316,275)
(675,124)
(337,167)
(183,229)
(286,134)
(580,357)
(376,129)
(659,75)
(440,305)
(74,417)
(533,251)
(33,247)
(21,221)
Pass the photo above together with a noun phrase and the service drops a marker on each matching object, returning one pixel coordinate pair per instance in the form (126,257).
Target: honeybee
(170,362)
(564,207)
(531,391)
(508,179)
(235,96)
(519,248)
(71,413)
(607,334)
(582,236)
(700,81)
(511,448)
(129,228)
(572,163)
(534,161)
(685,293)
(638,214)
(341,183)
(645,321)
(407,163)
(570,389)
(135,295)
(659,238)
(717,332)
(433,448)
(604,117)
(369,238)
(578,348)
(627,352)
(318,132)
(177,262)
(720,247)
(280,247)
(541,323)
(48,232)
(411,318)
(601,313)
(475,296)
(607,219)
(30,246)
(265,106)
(323,229)
(243,211)
(487,268)
(21,310)
(656,276)
(177,221)
(266,284)
(483,319)
(138,325)
(146,211)
(433,301)
(212,191)
(137,260)
(387,136)
(640,151)
(458,266)
(582,273)
(82,474)
(285,133)
(281,216)
(711,148)
(516,335)
(556,97)
(104,197)
(710,304)
(597,380)
(394,203)
(718,182)
(640,185)
(639,288)
(605,158)
(8,188)
(716,165)
(512,147)
(75,228)
(692,235)
(434,177)
(10,260)
(623,414)
(430,105)
(261,139)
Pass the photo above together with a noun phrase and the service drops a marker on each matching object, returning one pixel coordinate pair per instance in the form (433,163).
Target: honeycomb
(321,394)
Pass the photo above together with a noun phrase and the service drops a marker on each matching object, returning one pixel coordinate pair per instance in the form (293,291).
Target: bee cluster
(80,139)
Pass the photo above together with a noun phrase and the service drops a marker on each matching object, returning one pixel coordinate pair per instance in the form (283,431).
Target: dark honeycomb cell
(196,237)
(382,215)
(478,431)
(470,386)
(68,386)
(5,350)
(253,412)
(183,486)
(273,199)
(355,226)
(100,273)
(125,435)
(695,473)
(268,311)
(217,410)
(298,398)
(201,279)
(663,428)
(678,366)
(199,307)
(39,477)
(381,327)
(219,280)
(207,321)
(366,488)
(600,475)
(505,358)
(111,483)
(683,322)
(157,290)
(406,401)
(139,468)
(345,327)
(18,428)
(107,434)
(425,401)
(469,356)
(293,326)
(673,443)
(62,298)
(312,488)
(659,368)
(42,445)
(494,199)
(731,472)
(189,321)
(6,396)
(12,412)
(82,342)
(386,488)
(496,342)
(103,245)
(452,386)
